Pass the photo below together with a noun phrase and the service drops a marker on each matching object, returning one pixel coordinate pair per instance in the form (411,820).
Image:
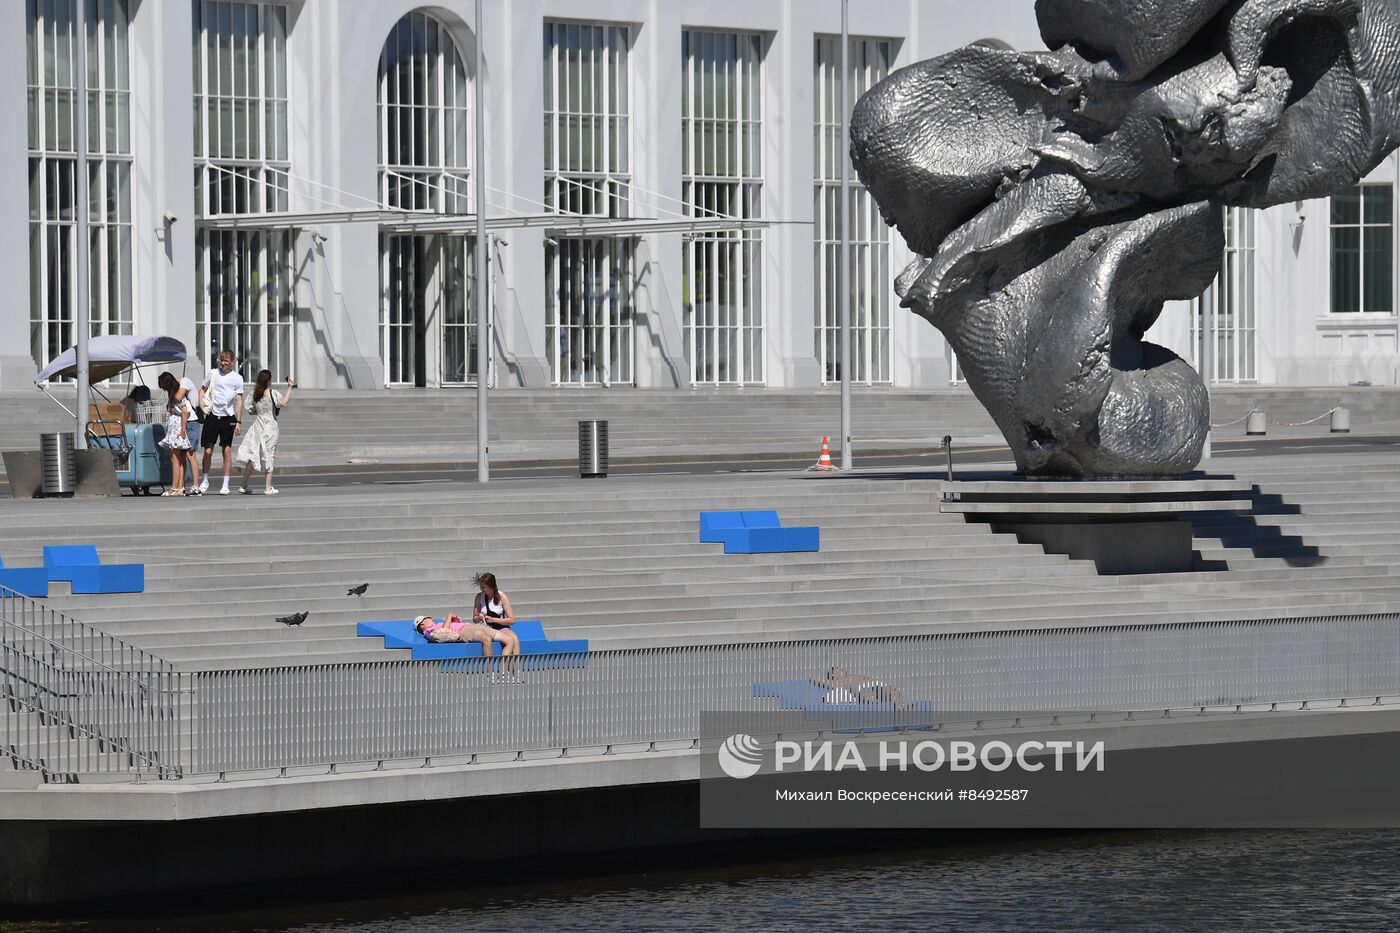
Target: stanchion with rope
(1257,423)
(1256,418)
(1339,410)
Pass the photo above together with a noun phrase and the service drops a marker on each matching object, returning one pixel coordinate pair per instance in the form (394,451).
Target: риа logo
(740,756)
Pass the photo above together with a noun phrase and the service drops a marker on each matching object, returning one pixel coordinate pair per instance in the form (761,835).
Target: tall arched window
(588,172)
(1232,313)
(54,111)
(425,144)
(867,63)
(722,176)
(244,277)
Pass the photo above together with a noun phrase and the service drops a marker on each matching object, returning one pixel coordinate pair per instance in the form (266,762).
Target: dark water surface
(1167,881)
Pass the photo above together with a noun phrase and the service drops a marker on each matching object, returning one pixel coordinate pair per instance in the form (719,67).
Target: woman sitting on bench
(492,609)
(454,629)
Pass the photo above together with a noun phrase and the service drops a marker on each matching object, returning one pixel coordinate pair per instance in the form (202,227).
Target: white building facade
(294,180)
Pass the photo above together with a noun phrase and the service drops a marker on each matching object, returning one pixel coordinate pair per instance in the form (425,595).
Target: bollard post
(1341,420)
(948,448)
(1255,423)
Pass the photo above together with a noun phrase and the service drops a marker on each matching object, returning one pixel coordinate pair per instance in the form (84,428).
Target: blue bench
(26,581)
(810,699)
(80,566)
(756,531)
(401,634)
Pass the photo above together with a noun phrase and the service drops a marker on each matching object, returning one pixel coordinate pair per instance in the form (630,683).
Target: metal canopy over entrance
(424,222)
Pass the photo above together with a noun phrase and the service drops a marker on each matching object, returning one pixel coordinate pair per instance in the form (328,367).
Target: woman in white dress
(258,448)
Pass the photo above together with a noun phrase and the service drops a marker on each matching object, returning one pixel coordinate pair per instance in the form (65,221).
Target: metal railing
(74,700)
(81,702)
(328,714)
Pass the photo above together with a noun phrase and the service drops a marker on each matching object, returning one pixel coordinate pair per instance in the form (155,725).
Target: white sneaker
(204,485)
(224,491)
(270,492)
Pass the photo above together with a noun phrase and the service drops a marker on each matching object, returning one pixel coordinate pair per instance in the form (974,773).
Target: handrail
(119,706)
(88,658)
(320,715)
(324,714)
(8,595)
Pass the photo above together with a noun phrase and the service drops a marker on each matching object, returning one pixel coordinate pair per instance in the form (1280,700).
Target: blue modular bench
(80,566)
(756,531)
(26,581)
(400,634)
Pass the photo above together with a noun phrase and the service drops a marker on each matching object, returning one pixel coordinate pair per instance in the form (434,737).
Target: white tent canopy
(113,354)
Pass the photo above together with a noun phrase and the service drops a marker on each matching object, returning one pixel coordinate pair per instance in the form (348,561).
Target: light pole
(1207,353)
(845,264)
(84,250)
(483,466)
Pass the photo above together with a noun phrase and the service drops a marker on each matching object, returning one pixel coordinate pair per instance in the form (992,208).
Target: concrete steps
(619,562)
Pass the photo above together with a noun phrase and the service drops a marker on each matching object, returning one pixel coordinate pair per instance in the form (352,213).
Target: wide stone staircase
(439,425)
(618,562)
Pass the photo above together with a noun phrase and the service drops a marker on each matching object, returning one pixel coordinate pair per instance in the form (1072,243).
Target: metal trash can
(592,449)
(59,463)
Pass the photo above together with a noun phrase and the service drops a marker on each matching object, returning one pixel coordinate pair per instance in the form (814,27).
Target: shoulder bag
(206,406)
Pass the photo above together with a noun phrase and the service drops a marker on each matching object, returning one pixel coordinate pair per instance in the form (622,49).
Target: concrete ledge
(1125,509)
(404,782)
(161,801)
(1097,488)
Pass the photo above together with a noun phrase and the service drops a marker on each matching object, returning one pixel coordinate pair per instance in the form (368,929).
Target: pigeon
(296,619)
(357,590)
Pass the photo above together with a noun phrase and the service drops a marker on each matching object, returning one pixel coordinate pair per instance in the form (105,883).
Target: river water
(1167,881)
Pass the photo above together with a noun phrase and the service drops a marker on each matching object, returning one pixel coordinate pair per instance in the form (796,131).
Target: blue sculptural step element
(756,531)
(400,634)
(845,711)
(83,569)
(26,581)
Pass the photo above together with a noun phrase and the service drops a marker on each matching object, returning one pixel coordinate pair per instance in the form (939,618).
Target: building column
(16,367)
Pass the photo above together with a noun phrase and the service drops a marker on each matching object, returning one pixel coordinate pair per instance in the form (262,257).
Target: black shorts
(218,428)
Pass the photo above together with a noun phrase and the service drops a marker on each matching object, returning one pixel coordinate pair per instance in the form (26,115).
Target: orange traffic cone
(824,461)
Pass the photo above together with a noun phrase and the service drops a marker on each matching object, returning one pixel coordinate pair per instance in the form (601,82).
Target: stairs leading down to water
(618,562)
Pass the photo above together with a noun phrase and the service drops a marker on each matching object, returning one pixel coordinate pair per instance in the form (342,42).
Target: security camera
(169,218)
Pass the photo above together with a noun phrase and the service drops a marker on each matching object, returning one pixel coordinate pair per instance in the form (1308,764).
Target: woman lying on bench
(454,629)
(844,687)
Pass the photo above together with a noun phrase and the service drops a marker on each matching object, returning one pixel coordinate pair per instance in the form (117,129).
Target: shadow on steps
(1242,530)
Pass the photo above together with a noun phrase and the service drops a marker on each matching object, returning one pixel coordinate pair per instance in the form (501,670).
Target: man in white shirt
(223,389)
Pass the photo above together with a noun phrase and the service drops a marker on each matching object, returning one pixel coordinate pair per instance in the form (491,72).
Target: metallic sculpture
(1057,199)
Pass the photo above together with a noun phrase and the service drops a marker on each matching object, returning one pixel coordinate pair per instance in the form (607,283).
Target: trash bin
(59,463)
(592,449)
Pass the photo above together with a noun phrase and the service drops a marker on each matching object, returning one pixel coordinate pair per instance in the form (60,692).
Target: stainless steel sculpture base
(1122,526)
(1058,199)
